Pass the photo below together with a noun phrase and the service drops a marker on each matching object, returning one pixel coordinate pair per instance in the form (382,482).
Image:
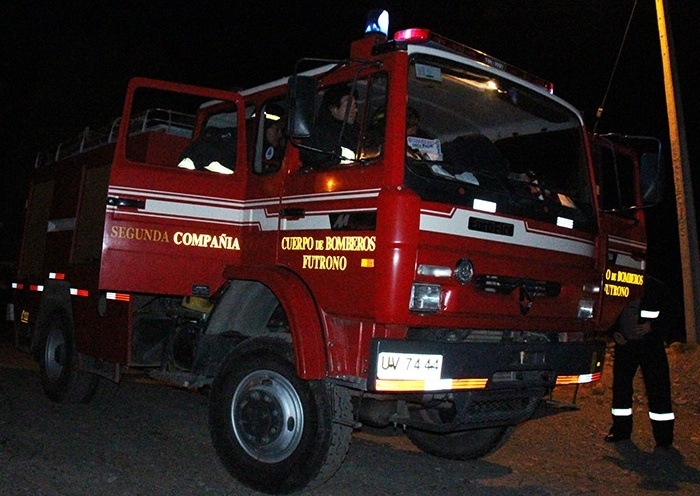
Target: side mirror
(302,106)
(651,178)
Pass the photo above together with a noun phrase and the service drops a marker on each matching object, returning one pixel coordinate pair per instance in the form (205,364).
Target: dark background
(65,66)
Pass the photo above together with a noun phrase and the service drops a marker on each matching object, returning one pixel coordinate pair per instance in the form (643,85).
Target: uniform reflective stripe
(661,416)
(621,412)
(649,314)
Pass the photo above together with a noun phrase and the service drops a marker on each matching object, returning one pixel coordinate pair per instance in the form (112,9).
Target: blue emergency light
(377,22)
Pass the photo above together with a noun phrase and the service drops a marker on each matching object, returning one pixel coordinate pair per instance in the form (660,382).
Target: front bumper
(434,366)
(478,384)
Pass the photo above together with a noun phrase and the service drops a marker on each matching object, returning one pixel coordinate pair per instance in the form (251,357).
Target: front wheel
(273,431)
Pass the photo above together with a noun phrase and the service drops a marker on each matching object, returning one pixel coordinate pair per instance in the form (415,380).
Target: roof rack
(156,119)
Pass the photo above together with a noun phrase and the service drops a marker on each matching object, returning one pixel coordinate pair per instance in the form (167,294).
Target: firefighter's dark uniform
(634,349)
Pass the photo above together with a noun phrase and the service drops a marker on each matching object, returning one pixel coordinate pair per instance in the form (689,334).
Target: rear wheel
(61,378)
(461,445)
(273,431)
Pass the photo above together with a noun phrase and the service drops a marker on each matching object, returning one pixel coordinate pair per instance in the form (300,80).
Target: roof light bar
(419,35)
(413,35)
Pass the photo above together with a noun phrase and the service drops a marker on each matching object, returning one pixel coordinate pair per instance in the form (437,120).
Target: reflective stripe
(578,379)
(455,223)
(429,385)
(661,416)
(118,296)
(649,314)
(622,412)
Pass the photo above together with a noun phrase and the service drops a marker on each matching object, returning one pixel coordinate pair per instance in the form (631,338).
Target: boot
(621,429)
(663,433)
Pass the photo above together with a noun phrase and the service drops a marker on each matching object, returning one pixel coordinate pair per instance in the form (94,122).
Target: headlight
(434,271)
(425,297)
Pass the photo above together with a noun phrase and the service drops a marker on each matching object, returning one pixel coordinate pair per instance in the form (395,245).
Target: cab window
(214,149)
(615,172)
(187,131)
(346,130)
(270,138)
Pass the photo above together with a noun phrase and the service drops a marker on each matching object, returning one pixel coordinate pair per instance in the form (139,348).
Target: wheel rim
(267,416)
(55,354)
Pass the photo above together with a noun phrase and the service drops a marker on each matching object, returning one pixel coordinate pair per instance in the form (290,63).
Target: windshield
(477,139)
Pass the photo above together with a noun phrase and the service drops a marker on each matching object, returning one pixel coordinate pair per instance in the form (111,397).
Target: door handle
(292,213)
(125,202)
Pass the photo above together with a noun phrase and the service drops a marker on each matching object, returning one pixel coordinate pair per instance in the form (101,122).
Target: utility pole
(687,227)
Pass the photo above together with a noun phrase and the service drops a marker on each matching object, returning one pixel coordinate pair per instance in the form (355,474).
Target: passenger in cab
(274,139)
(214,150)
(420,144)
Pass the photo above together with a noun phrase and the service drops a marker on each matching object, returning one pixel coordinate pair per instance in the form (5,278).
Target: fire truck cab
(410,236)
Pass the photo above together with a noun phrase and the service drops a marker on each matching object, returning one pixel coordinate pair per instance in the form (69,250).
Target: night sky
(65,65)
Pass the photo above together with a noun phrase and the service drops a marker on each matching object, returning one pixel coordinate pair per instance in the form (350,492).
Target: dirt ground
(152,439)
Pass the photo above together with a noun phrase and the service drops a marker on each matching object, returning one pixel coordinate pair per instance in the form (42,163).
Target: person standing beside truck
(639,343)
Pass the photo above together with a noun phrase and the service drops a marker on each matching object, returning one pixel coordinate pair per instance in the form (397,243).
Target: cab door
(328,212)
(174,205)
(617,176)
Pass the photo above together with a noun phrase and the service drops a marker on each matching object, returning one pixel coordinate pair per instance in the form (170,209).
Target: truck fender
(302,313)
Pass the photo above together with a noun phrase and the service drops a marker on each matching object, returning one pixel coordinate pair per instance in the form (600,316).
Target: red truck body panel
(343,248)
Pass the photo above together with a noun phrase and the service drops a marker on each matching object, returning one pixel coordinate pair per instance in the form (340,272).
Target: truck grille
(502,284)
(451,336)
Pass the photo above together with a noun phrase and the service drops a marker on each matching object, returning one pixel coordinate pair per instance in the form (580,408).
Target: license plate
(409,366)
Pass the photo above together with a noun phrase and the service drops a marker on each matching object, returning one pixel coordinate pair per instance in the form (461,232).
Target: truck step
(181,379)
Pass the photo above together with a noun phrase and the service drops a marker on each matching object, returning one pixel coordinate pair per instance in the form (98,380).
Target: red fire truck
(438,257)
